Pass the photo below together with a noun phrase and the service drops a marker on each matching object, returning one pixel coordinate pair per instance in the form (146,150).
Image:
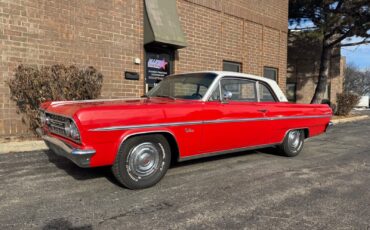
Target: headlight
(71,130)
(74,131)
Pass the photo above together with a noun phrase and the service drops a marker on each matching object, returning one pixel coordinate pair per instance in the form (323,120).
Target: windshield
(185,86)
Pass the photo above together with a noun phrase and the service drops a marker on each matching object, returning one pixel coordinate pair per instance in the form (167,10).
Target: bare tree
(356,81)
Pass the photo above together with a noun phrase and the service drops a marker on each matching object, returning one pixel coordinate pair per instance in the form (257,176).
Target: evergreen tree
(335,22)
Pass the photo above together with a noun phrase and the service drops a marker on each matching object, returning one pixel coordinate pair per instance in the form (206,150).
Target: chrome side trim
(59,103)
(129,127)
(218,153)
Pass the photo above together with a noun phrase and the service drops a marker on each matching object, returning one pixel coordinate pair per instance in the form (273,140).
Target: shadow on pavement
(99,172)
(270,151)
(62,223)
(77,172)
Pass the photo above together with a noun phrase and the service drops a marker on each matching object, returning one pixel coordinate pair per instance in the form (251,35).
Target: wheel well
(175,153)
(306,133)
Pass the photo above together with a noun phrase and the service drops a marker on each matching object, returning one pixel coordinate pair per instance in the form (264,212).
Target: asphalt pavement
(326,187)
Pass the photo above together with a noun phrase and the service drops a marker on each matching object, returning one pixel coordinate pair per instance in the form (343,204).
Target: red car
(184,117)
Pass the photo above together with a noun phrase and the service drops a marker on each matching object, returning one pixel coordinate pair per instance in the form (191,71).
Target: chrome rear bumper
(80,157)
(329,126)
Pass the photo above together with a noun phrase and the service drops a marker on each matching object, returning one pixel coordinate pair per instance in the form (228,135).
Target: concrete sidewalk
(22,146)
(28,146)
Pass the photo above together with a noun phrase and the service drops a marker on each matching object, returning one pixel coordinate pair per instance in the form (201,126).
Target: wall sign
(132,75)
(158,66)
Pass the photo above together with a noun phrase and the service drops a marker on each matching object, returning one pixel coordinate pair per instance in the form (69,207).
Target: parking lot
(326,187)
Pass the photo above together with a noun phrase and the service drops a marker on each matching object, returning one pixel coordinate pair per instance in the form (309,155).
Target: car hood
(70,108)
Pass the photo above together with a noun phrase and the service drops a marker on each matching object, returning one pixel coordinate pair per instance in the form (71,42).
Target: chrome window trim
(258,91)
(174,124)
(219,78)
(212,88)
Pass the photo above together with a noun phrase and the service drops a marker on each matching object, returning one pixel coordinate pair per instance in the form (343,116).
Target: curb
(350,119)
(22,146)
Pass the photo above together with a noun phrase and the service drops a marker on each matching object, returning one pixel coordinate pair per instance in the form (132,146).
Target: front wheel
(142,161)
(293,143)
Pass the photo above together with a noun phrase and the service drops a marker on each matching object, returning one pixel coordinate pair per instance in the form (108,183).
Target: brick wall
(109,35)
(303,68)
(250,32)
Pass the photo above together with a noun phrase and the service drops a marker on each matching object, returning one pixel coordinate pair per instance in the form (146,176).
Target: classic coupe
(184,117)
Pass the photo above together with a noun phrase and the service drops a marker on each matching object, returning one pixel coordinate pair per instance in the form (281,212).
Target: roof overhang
(162,25)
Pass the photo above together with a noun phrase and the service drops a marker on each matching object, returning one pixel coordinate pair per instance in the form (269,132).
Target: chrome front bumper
(80,157)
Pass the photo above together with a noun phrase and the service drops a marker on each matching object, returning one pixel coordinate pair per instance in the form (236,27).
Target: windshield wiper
(166,96)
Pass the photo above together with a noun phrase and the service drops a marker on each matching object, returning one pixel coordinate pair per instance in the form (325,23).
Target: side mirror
(227,95)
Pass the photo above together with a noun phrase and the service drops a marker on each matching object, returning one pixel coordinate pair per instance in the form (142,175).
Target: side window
(265,93)
(241,89)
(191,91)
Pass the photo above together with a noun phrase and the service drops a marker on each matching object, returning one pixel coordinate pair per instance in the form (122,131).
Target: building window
(232,66)
(270,73)
(291,91)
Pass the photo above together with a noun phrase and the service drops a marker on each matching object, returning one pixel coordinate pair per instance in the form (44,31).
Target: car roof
(233,74)
(273,84)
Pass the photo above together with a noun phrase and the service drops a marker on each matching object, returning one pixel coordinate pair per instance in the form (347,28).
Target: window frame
(269,89)
(256,85)
(276,71)
(239,64)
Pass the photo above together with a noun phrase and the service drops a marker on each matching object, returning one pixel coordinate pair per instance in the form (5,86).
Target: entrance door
(158,65)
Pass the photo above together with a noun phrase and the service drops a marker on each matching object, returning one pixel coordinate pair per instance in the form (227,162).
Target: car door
(234,122)
(273,112)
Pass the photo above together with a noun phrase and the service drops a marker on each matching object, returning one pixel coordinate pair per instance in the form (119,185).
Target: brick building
(304,53)
(119,38)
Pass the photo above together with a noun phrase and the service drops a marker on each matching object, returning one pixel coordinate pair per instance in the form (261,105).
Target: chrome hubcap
(143,160)
(294,140)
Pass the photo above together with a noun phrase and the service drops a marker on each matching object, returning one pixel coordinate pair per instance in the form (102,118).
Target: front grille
(56,124)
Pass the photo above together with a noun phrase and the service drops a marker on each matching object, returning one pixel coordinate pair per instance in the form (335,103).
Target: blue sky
(359,56)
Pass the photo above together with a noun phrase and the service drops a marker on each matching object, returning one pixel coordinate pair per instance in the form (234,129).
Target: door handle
(263,110)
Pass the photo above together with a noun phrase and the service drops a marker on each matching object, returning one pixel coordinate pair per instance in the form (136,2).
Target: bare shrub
(33,85)
(346,102)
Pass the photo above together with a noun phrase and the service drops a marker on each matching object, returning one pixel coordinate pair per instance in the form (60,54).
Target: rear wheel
(142,161)
(293,143)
